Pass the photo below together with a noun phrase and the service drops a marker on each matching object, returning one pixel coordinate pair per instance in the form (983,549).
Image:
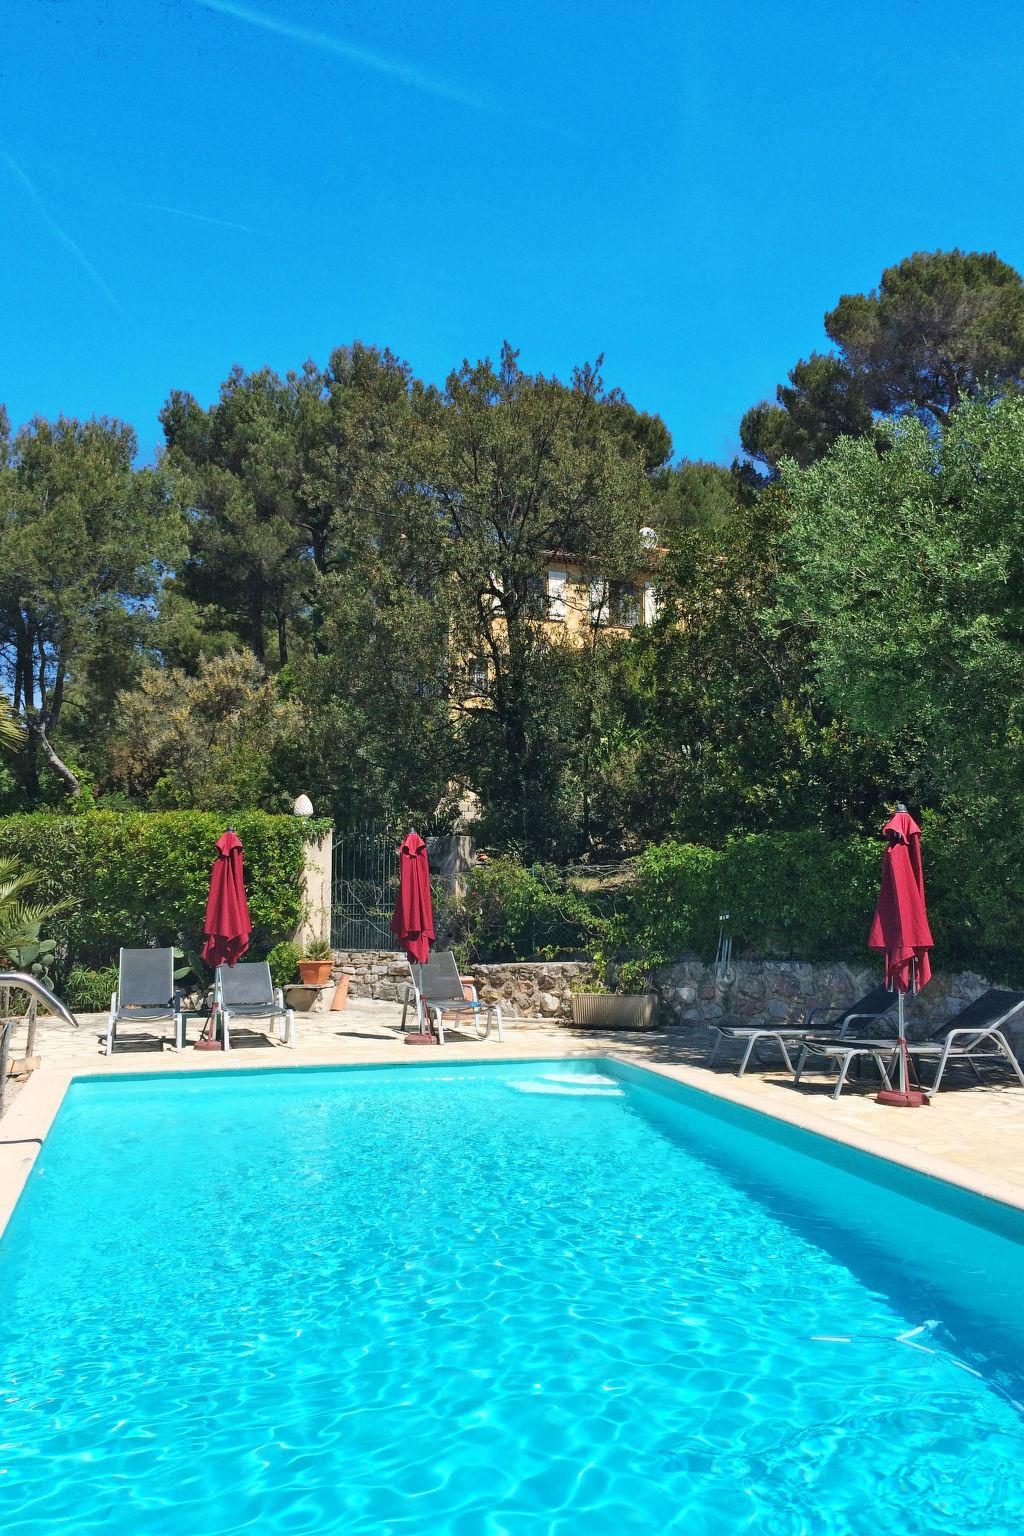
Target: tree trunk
(37,730)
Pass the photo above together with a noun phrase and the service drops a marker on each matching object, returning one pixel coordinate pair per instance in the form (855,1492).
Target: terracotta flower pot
(315,973)
(340,998)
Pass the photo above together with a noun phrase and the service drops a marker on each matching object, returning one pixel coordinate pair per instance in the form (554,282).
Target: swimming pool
(542,1297)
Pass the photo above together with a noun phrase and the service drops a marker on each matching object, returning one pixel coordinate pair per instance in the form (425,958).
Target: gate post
(315,921)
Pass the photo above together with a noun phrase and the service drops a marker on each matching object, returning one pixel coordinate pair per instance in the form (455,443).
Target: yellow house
(579,600)
(574,602)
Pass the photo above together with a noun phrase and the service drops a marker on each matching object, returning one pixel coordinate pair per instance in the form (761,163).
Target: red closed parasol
(227,927)
(412,921)
(900,929)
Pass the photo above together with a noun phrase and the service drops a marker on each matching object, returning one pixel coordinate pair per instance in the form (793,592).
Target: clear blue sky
(684,185)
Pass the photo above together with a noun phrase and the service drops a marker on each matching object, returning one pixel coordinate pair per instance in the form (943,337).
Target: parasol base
(908,1098)
(421,1038)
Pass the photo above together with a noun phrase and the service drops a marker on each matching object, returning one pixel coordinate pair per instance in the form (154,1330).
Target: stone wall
(530,990)
(373,973)
(525,990)
(778,991)
(757,991)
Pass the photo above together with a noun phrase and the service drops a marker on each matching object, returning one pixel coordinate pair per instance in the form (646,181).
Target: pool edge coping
(27,1123)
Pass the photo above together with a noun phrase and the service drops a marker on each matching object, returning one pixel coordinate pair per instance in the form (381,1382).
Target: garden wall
(525,989)
(772,991)
(766,992)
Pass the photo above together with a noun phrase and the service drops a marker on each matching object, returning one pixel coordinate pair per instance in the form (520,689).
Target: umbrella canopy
(228,926)
(412,922)
(900,927)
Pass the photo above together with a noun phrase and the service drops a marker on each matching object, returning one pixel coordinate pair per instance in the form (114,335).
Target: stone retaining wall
(773,991)
(526,990)
(757,991)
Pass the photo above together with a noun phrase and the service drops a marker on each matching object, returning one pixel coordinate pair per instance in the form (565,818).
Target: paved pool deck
(972,1135)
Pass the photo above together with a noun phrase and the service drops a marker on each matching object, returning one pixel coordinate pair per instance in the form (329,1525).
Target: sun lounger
(872,1007)
(437,989)
(246,991)
(843,1053)
(975,1034)
(145,993)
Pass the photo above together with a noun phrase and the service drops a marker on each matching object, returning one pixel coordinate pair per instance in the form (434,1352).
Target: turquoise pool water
(502,1299)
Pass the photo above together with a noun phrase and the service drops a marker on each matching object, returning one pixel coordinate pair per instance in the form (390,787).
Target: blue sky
(684,185)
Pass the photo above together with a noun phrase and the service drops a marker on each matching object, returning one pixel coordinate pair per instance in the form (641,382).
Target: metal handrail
(32,985)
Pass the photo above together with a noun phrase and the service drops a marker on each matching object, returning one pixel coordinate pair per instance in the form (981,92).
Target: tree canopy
(941,325)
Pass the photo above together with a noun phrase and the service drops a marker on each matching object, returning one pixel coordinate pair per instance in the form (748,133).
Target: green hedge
(797,895)
(142,877)
(788,895)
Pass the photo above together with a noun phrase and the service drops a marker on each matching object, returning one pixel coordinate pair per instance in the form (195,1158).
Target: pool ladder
(34,988)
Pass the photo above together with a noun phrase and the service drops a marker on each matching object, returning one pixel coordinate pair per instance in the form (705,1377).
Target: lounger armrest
(113,1001)
(279,998)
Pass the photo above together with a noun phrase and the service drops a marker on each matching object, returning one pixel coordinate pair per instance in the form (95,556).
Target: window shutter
(556,595)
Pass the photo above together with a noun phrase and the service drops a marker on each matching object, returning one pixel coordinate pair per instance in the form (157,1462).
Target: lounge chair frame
(145,994)
(872,1007)
(970,1035)
(436,989)
(846,1051)
(246,991)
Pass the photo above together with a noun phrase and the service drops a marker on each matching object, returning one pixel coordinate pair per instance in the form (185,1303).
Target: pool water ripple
(385,1301)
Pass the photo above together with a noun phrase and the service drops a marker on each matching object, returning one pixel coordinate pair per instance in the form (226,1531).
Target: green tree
(907,568)
(84,543)
(240,467)
(207,739)
(823,401)
(941,325)
(522,469)
(715,724)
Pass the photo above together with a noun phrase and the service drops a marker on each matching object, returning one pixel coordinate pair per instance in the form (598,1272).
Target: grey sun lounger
(145,993)
(975,1034)
(842,1053)
(436,989)
(872,1007)
(246,991)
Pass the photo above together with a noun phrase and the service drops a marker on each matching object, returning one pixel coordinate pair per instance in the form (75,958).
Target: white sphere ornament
(303,806)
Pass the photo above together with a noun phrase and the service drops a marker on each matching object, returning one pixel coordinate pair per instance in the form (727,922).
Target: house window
(556,595)
(598,603)
(476,675)
(652,607)
(625,605)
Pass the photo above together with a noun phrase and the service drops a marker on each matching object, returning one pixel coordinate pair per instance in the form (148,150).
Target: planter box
(303,999)
(614,1010)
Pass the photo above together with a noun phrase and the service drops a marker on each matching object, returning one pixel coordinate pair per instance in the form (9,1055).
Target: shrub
(142,877)
(283,961)
(514,912)
(789,895)
(90,991)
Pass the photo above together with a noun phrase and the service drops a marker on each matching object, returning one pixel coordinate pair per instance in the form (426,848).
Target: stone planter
(614,1010)
(314,973)
(302,998)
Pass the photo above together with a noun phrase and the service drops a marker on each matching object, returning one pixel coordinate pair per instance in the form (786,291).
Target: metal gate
(364,884)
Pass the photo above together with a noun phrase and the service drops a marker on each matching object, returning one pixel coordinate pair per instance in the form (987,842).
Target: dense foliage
(134,879)
(333,581)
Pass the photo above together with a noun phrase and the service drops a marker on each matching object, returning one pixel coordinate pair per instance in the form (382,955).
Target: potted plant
(315,963)
(596,1004)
